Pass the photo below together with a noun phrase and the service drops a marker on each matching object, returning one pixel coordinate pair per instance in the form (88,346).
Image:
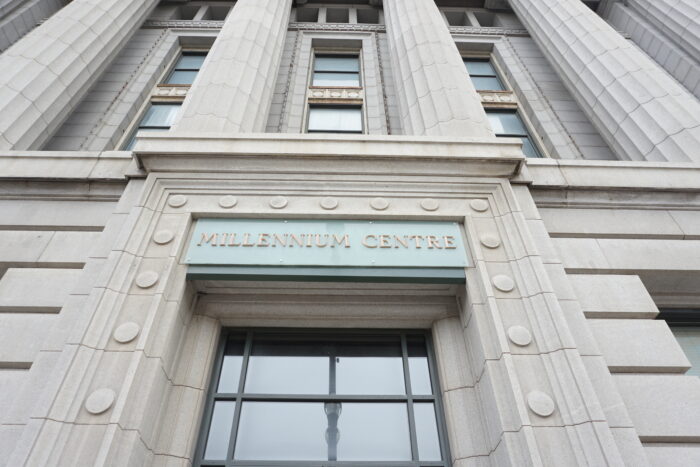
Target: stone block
(672,454)
(613,296)
(638,346)
(663,408)
(610,222)
(36,290)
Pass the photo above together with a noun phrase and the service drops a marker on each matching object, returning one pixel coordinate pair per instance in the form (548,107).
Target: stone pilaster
(436,95)
(47,72)
(642,113)
(679,20)
(233,91)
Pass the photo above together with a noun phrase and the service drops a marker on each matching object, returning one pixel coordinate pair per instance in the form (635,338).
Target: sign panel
(329,243)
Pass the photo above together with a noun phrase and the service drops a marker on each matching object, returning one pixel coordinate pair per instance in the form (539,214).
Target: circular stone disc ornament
(329,203)
(479,205)
(147,279)
(126,332)
(227,202)
(100,401)
(429,204)
(278,202)
(540,403)
(177,201)
(163,236)
(490,241)
(519,335)
(379,204)
(503,283)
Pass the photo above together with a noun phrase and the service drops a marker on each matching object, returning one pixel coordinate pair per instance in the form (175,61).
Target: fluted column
(233,91)
(679,20)
(640,111)
(436,96)
(47,72)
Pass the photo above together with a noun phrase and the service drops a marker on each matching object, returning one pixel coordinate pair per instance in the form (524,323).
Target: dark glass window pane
(182,77)
(190,62)
(373,432)
(506,123)
(294,366)
(348,119)
(479,67)
(529,149)
(418,366)
(486,84)
(220,430)
(336,79)
(161,115)
(370,367)
(427,432)
(282,431)
(231,365)
(336,63)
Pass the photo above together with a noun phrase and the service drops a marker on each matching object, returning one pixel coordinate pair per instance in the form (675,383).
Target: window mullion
(409,398)
(239,396)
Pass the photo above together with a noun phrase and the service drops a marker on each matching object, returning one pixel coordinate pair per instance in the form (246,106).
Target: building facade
(335,233)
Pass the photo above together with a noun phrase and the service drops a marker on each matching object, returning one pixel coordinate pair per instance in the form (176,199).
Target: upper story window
(483,75)
(280,398)
(186,68)
(336,70)
(508,123)
(685,325)
(158,116)
(167,96)
(335,119)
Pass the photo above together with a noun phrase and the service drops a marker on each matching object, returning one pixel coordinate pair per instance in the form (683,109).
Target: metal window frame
(493,67)
(176,68)
(240,396)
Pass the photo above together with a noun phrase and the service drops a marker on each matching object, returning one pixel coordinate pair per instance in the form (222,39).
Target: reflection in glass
(282,431)
(220,430)
(288,367)
(231,365)
(369,375)
(374,432)
(336,79)
(486,83)
(418,366)
(182,77)
(426,432)
(337,63)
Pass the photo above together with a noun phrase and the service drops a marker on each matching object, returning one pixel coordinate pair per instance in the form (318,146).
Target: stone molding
(333,95)
(498,99)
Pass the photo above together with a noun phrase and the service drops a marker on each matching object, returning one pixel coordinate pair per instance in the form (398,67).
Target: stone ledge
(70,165)
(171,151)
(662,176)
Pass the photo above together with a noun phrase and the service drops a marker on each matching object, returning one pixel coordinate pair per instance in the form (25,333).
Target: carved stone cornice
(167,92)
(498,99)
(181,23)
(488,31)
(335,95)
(337,27)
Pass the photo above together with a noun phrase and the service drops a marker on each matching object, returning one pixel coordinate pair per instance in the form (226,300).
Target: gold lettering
(345,239)
(433,241)
(213,239)
(224,237)
(417,239)
(246,240)
(318,241)
(263,239)
(298,241)
(449,242)
(280,240)
(384,241)
(402,240)
(232,240)
(367,237)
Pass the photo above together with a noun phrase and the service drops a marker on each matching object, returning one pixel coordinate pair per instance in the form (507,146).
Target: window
(685,325)
(331,399)
(186,68)
(157,117)
(508,123)
(483,75)
(335,119)
(336,70)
